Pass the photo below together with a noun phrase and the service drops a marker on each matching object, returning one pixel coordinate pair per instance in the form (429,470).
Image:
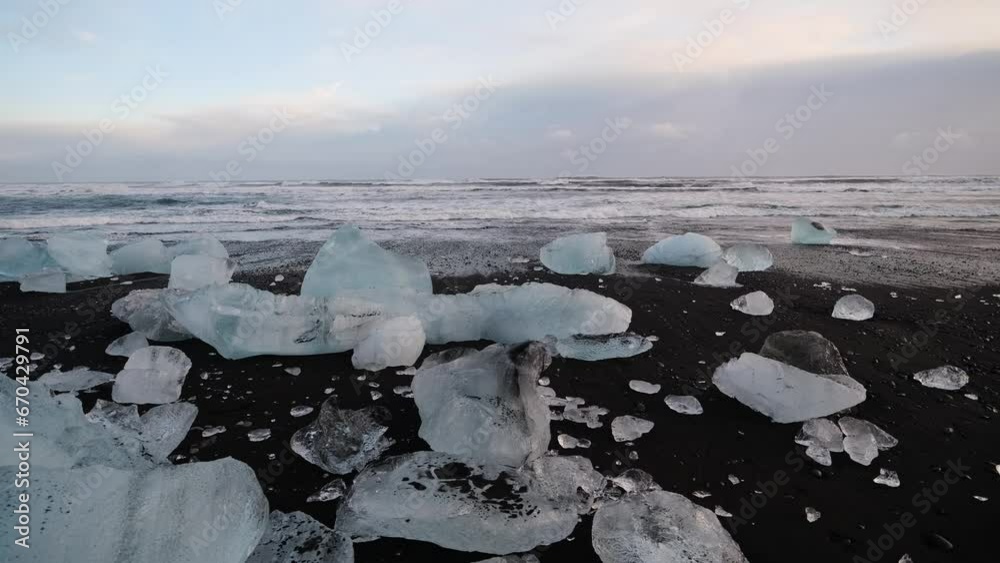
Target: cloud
(670,131)
(85,36)
(560,134)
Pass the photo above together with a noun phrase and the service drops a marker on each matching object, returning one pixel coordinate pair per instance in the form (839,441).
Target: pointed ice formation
(595,348)
(756,304)
(19,257)
(820,436)
(126,345)
(748,257)
(807,231)
(689,249)
(391,342)
(81,255)
(144,256)
(853,308)
(948,378)
(579,254)
(298,538)
(192,272)
(49,280)
(485,405)
(79,379)
(719,275)
(145,310)
(340,440)
(658,527)
(152,375)
(863,440)
(628,428)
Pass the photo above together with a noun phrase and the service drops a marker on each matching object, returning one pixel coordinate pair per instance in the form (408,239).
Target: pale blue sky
(897,82)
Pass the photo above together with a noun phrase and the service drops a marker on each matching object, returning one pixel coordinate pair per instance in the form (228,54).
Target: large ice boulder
(689,249)
(144,256)
(804,349)
(201,246)
(580,254)
(808,231)
(82,255)
(298,538)
(389,342)
(594,348)
(49,280)
(459,504)
(195,271)
(152,375)
(748,257)
(19,256)
(853,308)
(756,304)
(145,310)
(341,440)
(349,263)
(661,527)
(485,405)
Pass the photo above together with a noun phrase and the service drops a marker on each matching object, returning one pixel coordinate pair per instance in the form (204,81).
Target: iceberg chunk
(783,392)
(144,256)
(755,304)
(948,378)
(863,440)
(853,308)
(79,379)
(391,342)
(19,256)
(126,345)
(328,492)
(152,375)
(684,404)
(202,246)
(192,272)
(298,538)
(49,280)
(340,440)
(689,249)
(644,387)
(719,275)
(628,428)
(808,231)
(806,350)
(594,348)
(820,436)
(748,257)
(580,254)
(145,310)
(81,255)
(164,428)
(350,263)
(661,527)
(486,405)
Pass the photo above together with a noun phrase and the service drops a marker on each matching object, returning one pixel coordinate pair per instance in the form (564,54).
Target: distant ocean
(308,210)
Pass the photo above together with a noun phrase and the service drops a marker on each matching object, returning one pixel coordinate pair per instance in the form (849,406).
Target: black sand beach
(918,328)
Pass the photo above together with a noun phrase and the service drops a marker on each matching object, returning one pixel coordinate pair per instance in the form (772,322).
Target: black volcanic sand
(921,328)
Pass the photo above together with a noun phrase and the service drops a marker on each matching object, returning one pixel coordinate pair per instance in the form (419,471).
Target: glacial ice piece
(79,379)
(948,378)
(820,436)
(459,504)
(145,310)
(485,405)
(661,527)
(350,263)
(635,481)
(49,280)
(126,345)
(806,350)
(19,256)
(328,492)
(259,434)
(689,249)
(568,442)
(201,246)
(152,375)
(808,231)
(628,428)
(719,275)
(528,558)
(748,257)
(83,256)
(340,440)
(144,256)
(853,308)
(212,511)
(192,272)
(783,392)
(887,478)
(684,404)
(644,387)
(812,514)
(594,348)
(756,304)
(863,440)
(298,538)
(390,342)
(579,254)
(164,428)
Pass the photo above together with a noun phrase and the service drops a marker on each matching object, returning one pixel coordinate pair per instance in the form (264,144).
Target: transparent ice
(49,280)
(808,231)
(389,342)
(853,308)
(145,310)
(594,348)
(948,378)
(328,492)
(820,436)
(201,246)
(863,440)
(152,375)
(645,387)
(754,304)
(78,379)
(719,275)
(689,249)
(628,428)
(342,440)
(296,537)
(126,345)
(748,257)
(144,256)
(684,404)
(192,272)
(579,254)
(806,350)
(84,256)
(887,478)
(19,256)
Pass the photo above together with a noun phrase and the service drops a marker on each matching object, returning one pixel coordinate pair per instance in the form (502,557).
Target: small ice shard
(719,511)
(296,537)
(49,280)
(210,431)
(820,436)
(853,308)
(84,256)
(806,350)
(783,392)
(145,310)
(906,558)
(340,440)
(259,434)
(192,272)
(404,391)
(126,345)
(19,256)
(144,256)
(644,387)
(701,494)
(293,371)
(748,257)
(389,342)
(635,481)
(756,304)
(152,375)
(568,442)
(165,427)
(627,428)
(812,514)
(579,254)
(485,405)
(887,478)
(300,411)
(79,379)
(863,440)
(349,263)
(948,378)
(330,491)
(734,479)
(690,249)
(595,348)
(459,504)
(202,246)
(684,404)
(807,231)
(719,275)
(659,527)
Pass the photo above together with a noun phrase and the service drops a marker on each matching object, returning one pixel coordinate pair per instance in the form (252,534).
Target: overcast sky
(189,89)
